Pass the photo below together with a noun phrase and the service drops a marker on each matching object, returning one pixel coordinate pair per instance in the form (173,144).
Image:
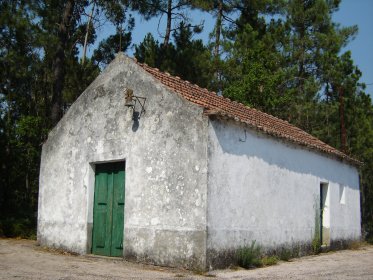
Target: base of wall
(219,259)
(67,237)
(193,263)
(341,244)
(172,248)
(58,247)
(89,238)
(225,258)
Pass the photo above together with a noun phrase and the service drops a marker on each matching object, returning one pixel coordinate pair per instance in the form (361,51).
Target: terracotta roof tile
(218,105)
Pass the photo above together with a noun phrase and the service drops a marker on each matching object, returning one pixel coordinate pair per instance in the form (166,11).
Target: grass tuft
(249,256)
(269,260)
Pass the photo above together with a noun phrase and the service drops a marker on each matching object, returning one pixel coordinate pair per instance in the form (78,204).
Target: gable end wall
(166,169)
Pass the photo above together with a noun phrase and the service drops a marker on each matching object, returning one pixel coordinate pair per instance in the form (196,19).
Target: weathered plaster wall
(166,169)
(265,190)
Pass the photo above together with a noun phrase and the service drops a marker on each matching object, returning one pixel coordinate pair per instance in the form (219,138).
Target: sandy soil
(23,259)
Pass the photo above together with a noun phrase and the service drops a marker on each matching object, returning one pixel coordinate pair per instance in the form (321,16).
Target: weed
(59,251)
(249,256)
(209,275)
(316,244)
(32,236)
(356,245)
(370,240)
(18,227)
(285,254)
(201,273)
(269,260)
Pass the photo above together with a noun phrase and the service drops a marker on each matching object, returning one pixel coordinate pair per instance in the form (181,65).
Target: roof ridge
(224,106)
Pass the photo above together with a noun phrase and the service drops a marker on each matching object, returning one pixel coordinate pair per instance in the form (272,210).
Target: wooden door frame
(324,213)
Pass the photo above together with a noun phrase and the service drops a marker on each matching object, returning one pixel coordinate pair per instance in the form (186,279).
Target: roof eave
(342,157)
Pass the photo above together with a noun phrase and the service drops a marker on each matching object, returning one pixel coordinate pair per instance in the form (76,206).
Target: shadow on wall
(136,121)
(238,141)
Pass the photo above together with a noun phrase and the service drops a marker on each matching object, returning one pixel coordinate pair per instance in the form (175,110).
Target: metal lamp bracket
(141,101)
(131,100)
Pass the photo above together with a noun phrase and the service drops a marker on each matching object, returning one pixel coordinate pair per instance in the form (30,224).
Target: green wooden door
(108,210)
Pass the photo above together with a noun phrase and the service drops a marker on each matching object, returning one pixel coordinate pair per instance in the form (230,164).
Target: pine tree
(40,67)
(186,57)
(173,10)
(21,118)
(253,67)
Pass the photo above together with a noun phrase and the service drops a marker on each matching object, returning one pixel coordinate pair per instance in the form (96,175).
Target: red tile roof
(218,105)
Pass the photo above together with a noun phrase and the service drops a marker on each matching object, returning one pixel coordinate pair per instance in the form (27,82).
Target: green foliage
(269,260)
(253,69)
(30,36)
(21,117)
(316,244)
(148,51)
(78,78)
(192,58)
(186,58)
(22,227)
(107,48)
(285,254)
(249,256)
(369,238)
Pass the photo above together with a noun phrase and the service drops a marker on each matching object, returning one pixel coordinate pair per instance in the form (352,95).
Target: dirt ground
(23,259)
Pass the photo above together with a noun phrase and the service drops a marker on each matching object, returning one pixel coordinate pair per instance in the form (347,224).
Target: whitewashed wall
(263,189)
(166,169)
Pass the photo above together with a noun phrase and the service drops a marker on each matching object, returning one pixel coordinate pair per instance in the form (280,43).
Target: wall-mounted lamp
(131,100)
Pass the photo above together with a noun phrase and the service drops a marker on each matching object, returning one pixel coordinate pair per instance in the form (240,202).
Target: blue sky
(351,12)
(360,13)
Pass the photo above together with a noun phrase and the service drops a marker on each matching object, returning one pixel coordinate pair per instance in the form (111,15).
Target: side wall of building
(166,169)
(264,190)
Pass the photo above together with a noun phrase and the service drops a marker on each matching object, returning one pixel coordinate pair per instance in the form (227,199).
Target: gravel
(23,259)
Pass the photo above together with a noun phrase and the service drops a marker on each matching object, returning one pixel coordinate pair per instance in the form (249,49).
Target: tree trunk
(343,133)
(218,29)
(59,62)
(219,19)
(168,26)
(87,33)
